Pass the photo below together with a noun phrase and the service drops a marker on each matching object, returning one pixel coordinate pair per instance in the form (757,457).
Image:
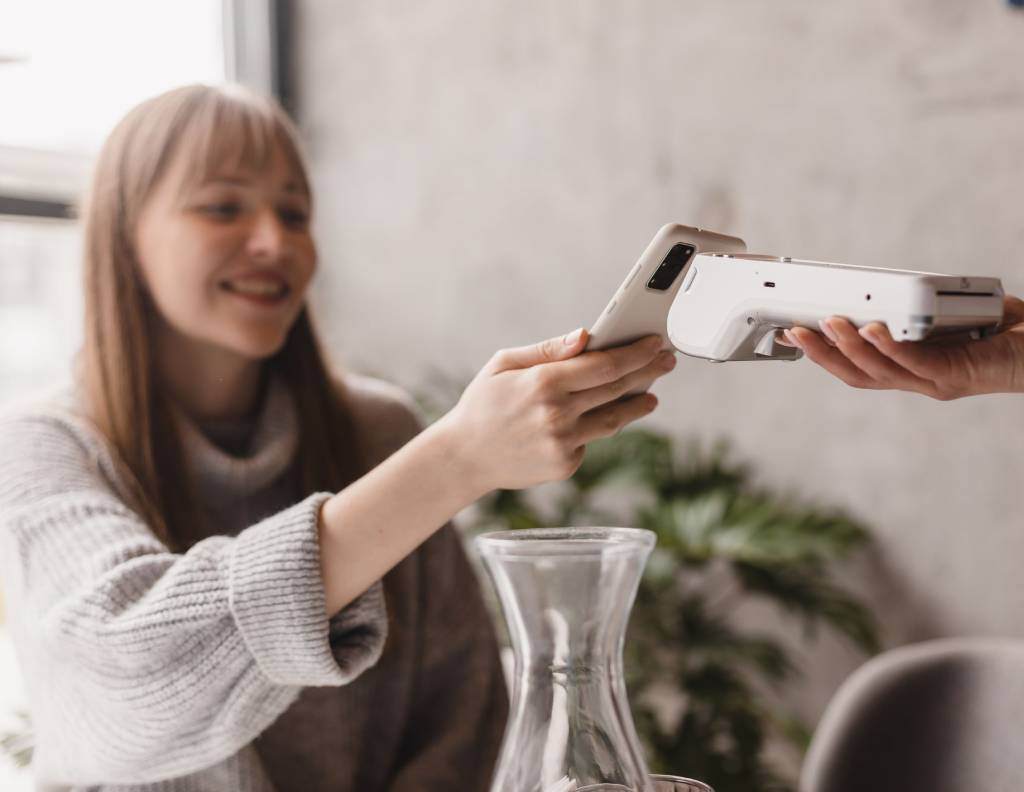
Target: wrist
(1016,373)
(1000,360)
(448,438)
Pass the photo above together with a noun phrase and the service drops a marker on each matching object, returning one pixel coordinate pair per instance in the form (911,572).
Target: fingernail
(652,400)
(788,334)
(667,360)
(826,328)
(870,334)
(573,337)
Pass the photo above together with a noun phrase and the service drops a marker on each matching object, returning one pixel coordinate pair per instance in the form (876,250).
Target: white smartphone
(640,306)
(733,306)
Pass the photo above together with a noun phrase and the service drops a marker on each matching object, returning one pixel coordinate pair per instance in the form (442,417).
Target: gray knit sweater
(216,669)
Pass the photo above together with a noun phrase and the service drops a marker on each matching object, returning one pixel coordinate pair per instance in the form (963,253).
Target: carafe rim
(532,542)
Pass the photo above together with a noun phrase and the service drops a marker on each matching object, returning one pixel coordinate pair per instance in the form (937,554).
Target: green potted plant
(721,542)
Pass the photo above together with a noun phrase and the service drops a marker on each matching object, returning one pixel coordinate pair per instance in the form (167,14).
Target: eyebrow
(289,186)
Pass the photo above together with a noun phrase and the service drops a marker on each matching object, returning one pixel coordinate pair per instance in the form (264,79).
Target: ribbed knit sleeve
(143,664)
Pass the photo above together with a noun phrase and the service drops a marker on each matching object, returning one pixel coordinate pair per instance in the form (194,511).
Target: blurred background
(486,174)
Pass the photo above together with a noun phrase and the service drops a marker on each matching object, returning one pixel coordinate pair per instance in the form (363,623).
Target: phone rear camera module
(670,268)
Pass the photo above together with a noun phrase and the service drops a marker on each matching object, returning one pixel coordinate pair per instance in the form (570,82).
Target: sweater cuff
(277,599)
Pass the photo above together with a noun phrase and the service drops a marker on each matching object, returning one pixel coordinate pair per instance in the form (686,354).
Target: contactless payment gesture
(734,306)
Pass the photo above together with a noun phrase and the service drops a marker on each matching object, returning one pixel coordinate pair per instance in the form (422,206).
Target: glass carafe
(566,594)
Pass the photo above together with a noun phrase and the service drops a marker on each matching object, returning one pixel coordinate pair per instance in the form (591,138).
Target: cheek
(178,270)
(306,260)
(308,257)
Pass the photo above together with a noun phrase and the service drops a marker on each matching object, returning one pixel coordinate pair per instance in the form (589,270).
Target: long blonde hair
(216,126)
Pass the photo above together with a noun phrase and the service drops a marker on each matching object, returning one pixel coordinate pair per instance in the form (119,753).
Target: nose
(266,236)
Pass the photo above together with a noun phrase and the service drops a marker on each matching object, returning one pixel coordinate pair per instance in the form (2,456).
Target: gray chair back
(940,716)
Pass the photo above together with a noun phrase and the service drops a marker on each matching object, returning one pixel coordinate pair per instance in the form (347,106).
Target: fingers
(785,340)
(548,351)
(610,419)
(866,359)
(594,369)
(883,371)
(924,361)
(641,379)
(828,357)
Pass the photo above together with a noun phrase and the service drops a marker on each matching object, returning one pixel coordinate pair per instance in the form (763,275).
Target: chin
(257,346)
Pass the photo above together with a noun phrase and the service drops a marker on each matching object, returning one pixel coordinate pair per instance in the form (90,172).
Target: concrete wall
(487,173)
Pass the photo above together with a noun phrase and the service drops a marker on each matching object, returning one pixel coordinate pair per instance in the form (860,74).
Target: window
(40,302)
(68,71)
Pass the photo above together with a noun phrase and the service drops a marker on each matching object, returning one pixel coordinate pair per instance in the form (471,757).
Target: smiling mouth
(262,291)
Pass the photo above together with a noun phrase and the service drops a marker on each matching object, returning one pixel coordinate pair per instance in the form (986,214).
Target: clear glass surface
(566,595)
(664,783)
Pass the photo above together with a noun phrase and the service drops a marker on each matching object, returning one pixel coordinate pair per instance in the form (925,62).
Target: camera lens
(670,268)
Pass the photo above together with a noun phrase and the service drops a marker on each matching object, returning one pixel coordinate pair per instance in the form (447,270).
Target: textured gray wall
(488,171)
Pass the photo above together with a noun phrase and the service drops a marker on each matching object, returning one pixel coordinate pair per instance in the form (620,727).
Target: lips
(262,288)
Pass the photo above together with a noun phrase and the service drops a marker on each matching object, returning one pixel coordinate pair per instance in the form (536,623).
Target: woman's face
(227,261)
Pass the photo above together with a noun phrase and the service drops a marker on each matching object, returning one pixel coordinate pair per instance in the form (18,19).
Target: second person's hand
(944,369)
(527,416)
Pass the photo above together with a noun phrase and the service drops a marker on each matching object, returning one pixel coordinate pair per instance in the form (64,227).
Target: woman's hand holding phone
(524,419)
(946,368)
(527,416)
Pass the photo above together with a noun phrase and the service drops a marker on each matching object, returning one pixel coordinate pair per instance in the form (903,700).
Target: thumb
(558,348)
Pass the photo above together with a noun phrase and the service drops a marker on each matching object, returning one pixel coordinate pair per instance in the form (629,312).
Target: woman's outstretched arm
(524,420)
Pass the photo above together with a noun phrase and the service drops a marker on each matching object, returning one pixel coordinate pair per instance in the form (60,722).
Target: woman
(225,570)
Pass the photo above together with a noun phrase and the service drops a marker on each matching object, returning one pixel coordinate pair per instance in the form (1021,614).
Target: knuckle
(544,383)
(552,419)
(620,387)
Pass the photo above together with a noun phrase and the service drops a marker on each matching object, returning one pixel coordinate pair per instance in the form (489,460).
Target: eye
(293,217)
(227,210)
